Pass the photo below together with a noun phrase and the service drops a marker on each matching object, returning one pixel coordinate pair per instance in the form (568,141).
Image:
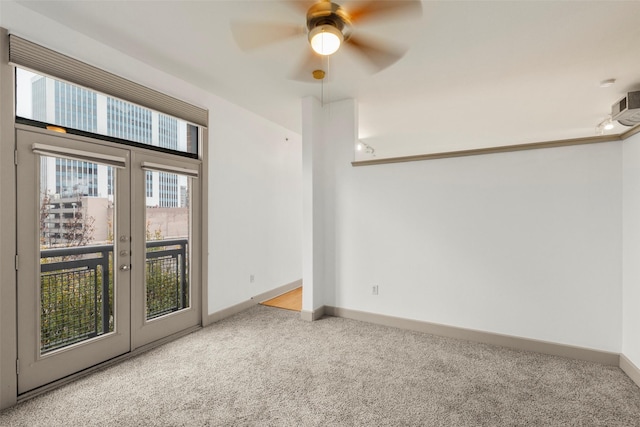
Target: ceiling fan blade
(378,54)
(255,35)
(377,9)
(304,71)
(301,6)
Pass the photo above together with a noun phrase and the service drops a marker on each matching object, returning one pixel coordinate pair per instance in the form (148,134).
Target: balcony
(76,294)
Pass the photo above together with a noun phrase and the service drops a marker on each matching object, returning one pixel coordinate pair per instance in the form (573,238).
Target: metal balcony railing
(76,294)
(166,277)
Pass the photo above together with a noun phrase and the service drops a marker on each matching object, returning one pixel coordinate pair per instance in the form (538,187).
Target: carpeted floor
(266,367)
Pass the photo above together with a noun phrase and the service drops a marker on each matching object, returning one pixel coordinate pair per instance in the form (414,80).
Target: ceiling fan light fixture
(325,39)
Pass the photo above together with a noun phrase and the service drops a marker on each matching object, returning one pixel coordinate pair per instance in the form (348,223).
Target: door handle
(125,267)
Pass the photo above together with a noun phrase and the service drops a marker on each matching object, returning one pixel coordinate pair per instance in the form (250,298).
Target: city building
(76,220)
(68,105)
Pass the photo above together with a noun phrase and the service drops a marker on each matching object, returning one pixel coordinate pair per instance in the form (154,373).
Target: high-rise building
(71,106)
(169,196)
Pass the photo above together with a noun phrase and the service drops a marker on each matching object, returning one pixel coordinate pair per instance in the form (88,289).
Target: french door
(107,252)
(165,235)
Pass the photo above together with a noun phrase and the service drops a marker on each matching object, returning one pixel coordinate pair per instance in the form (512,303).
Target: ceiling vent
(627,110)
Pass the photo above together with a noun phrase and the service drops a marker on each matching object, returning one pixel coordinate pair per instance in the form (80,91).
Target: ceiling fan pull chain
(328,85)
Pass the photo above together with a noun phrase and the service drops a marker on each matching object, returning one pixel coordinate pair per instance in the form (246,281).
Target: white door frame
(147,331)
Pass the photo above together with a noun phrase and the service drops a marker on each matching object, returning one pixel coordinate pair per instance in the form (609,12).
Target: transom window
(45,101)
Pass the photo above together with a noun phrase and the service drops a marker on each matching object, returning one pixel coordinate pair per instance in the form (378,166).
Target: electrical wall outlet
(374,290)
(252,278)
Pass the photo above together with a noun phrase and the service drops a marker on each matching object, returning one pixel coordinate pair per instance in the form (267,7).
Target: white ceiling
(477,73)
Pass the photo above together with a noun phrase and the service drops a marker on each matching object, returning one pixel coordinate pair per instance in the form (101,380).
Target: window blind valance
(85,156)
(38,58)
(193,173)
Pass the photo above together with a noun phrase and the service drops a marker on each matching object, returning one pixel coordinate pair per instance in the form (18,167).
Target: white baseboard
(237,308)
(518,343)
(310,316)
(630,369)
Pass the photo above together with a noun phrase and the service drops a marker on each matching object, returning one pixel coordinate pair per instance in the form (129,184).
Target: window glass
(168,222)
(50,101)
(76,221)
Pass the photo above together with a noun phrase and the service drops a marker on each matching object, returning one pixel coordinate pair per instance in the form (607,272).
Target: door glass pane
(168,221)
(76,251)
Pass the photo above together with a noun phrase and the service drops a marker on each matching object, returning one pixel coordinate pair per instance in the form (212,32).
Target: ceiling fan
(330,26)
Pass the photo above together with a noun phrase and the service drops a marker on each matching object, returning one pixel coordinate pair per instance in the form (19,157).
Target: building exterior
(75,220)
(71,106)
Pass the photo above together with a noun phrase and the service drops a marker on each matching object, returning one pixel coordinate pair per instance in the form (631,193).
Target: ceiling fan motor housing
(327,13)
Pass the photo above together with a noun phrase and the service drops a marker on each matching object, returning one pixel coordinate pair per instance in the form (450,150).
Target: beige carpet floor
(266,367)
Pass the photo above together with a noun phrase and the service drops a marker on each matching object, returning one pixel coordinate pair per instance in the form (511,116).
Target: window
(52,102)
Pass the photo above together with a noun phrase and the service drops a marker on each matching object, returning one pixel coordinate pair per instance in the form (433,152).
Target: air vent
(627,110)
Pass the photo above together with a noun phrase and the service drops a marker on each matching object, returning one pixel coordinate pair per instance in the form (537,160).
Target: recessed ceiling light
(607,83)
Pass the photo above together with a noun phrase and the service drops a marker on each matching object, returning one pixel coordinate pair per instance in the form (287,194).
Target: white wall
(255,208)
(631,245)
(254,173)
(526,243)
